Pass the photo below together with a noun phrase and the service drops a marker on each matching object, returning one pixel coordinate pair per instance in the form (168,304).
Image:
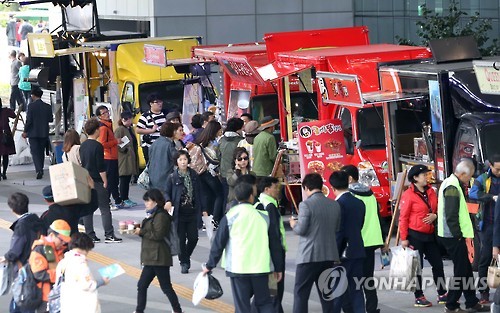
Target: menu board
(321,149)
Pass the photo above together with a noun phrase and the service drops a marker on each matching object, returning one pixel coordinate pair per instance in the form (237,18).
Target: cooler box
(69,184)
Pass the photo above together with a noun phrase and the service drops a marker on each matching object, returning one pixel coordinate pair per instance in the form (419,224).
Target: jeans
(462,269)
(125,186)
(212,187)
(147,275)
(113,180)
(107,220)
(187,231)
(37,148)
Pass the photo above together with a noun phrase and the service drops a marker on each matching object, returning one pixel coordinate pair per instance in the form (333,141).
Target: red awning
(238,67)
(277,70)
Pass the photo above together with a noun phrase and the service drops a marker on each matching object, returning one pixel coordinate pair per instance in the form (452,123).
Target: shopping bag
(143,179)
(405,266)
(200,288)
(385,258)
(214,288)
(209,226)
(493,278)
(5,277)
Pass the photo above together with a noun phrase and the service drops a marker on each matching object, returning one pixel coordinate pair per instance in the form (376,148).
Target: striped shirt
(147,121)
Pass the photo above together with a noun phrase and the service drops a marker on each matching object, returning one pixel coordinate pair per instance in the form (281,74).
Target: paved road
(120,295)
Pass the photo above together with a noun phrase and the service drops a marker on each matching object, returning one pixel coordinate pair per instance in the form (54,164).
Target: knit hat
(61,227)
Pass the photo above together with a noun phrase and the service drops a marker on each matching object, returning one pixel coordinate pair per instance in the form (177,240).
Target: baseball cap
(172,115)
(47,193)
(61,227)
(417,170)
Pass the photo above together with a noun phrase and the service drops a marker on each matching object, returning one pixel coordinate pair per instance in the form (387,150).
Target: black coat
(175,186)
(349,238)
(71,214)
(37,120)
(26,229)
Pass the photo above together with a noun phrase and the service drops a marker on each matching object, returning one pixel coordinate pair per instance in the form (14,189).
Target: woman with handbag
(416,226)
(156,258)
(128,163)
(183,201)
(211,184)
(7,146)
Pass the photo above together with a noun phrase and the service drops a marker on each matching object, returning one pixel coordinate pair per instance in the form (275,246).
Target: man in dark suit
(37,129)
(350,243)
(319,220)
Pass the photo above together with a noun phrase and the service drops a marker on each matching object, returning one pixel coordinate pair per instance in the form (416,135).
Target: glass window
(128,94)
(466,143)
(371,128)
(345,117)
(171,92)
(490,134)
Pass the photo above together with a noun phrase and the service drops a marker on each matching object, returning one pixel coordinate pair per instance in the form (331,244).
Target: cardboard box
(69,184)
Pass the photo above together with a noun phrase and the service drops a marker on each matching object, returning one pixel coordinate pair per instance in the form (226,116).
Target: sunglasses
(242,159)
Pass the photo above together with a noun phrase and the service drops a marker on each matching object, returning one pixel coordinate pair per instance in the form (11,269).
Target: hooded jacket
(26,229)
(108,140)
(227,145)
(371,231)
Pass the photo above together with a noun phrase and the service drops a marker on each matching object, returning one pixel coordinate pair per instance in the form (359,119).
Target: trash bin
(57,146)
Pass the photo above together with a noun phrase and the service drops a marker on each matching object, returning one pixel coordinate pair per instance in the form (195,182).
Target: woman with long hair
(240,165)
(71,147)
(213,196)
(156,258)
(183,197)
(7,146)
(128,163)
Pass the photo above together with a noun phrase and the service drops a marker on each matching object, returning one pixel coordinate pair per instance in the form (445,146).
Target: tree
(9,6)
(436,26)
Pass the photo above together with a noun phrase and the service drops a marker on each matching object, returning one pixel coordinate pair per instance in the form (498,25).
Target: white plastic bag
(207,220)
(405,265)
(200,288)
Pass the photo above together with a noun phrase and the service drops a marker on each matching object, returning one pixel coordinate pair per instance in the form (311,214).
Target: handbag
(198,161)
(7,139)
(54,300)
(172,240)
(143,179)
(493,278)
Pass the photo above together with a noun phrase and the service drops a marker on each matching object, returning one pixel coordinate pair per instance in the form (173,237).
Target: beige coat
(128,163)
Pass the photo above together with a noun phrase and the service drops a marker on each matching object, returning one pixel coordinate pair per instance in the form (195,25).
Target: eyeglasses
(242,159)
(104,112)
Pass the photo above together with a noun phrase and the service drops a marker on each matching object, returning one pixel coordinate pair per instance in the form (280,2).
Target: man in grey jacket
(319,220)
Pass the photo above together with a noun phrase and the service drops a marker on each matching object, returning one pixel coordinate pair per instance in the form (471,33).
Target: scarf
(188,184)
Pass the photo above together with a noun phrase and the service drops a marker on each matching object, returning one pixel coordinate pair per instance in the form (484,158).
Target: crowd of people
(226,172)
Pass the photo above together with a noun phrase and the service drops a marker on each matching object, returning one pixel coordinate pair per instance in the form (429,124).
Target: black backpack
(27,295)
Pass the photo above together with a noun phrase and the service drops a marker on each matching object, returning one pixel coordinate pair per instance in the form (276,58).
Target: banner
(321,150)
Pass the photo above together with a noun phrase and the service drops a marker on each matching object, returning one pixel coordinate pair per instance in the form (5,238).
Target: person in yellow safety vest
(251,252)
(269,190)
(371,233)
(454,226)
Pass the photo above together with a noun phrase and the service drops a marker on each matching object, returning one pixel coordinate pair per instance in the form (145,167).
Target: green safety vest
(247,251)
(265,200)
(463,213)
(371,231)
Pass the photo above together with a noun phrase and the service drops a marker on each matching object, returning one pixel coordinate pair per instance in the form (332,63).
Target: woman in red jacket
(416,226)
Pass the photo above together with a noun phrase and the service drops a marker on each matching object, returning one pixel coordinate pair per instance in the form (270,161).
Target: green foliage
(9,7)
(436,26)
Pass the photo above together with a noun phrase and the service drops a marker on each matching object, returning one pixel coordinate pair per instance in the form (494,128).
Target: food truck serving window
(171,92)
(371,128)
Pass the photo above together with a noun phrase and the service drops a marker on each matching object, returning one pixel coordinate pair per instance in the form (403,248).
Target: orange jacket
(44,271)
(108,140)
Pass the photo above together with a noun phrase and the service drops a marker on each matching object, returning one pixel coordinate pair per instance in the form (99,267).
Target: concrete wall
(228,21)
